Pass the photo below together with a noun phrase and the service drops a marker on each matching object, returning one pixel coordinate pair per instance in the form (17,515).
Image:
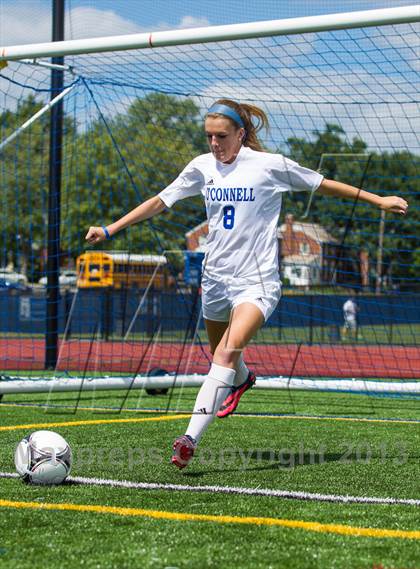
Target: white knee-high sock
(241,372)
(213,392)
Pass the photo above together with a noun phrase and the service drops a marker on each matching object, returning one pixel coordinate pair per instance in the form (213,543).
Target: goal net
(343,101)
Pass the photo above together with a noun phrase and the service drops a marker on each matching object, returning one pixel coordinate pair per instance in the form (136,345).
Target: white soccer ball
(43,457)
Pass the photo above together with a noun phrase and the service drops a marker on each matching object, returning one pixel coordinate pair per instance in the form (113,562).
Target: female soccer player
(242,186)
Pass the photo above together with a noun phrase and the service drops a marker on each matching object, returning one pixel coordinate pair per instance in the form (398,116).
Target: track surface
(265,359)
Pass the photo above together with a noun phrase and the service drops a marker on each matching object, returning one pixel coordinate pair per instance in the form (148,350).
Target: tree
(356,225)
(150,145)
(24,179)
(108,168)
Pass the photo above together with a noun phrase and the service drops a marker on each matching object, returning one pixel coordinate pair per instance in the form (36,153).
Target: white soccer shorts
(350,321)
(220,297)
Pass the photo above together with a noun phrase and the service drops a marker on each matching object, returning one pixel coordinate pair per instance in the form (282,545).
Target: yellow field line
(248,520)
(92,422)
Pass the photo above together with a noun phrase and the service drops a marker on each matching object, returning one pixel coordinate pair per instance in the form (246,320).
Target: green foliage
(151,143)
(357,225)
(107,169)
(24,185)
(24,168)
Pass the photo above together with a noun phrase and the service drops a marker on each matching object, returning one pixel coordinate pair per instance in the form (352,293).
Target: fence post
(107,313)
(311,318)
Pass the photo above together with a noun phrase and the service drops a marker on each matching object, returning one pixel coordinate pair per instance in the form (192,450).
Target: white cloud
(84,22)
(297,105)
(29,21)
(192,22)
(26,22)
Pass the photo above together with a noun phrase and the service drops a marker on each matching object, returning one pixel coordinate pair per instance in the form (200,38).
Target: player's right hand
(95,235)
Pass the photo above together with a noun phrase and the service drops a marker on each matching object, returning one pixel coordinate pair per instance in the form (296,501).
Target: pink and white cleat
(231,402)
(183,451)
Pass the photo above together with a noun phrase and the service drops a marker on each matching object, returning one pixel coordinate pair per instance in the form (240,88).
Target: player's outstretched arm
(147,209)
(393,204)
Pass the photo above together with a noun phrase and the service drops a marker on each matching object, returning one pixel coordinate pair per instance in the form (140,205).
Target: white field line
(286,494)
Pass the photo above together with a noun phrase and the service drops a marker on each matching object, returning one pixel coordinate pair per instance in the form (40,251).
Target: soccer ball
(43,457)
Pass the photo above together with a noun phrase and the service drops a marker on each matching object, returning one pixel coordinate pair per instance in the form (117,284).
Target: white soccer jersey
(243,202)
(350,308)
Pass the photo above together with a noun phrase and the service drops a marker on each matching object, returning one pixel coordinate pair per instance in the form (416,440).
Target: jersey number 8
(228,216)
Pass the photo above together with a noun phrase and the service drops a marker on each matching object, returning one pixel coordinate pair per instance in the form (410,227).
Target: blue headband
(228,112)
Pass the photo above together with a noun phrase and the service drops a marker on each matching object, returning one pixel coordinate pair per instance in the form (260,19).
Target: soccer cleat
(183,451)
(231,402)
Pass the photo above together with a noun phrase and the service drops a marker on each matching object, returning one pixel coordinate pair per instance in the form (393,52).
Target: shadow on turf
(294,460)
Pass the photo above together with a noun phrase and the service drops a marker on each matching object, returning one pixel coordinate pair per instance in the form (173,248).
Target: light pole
(379,256)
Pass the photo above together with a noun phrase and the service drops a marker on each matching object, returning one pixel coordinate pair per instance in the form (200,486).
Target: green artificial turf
(318,443)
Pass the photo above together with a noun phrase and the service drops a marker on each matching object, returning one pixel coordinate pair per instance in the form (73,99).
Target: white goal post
(346,20)
(170,381)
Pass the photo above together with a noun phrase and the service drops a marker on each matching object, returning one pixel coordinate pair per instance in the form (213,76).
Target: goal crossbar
(309,24)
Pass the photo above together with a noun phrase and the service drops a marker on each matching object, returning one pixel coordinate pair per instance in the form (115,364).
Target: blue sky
(217,12)
(29,21)
(303,88)
(225,11)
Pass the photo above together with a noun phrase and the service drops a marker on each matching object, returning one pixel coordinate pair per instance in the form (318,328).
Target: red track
(287,360)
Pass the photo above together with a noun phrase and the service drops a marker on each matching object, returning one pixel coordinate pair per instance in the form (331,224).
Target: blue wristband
(107,235)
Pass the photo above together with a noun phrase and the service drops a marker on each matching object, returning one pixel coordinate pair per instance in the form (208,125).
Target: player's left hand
(394,204)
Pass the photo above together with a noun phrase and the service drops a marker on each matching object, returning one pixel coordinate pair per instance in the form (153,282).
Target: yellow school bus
(120,269)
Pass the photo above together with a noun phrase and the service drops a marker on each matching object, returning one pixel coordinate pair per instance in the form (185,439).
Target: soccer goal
(341,94)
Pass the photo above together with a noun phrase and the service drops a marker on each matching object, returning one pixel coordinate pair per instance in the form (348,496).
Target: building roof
(301,260)
(311,230)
